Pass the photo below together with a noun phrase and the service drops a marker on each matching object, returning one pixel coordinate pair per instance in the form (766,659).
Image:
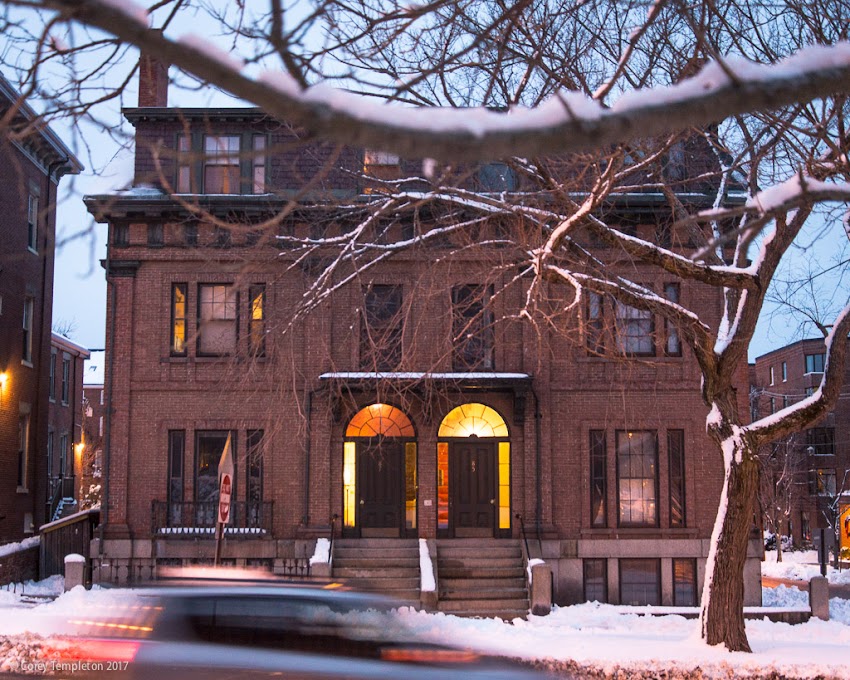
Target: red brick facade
(553,396)
(32,163)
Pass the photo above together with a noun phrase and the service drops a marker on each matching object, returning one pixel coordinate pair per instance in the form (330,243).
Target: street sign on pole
(225,491)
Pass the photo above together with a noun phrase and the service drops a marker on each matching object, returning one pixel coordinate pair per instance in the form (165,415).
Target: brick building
(817,460)
(33,161)
(65,426)
(411,403)
(91,458)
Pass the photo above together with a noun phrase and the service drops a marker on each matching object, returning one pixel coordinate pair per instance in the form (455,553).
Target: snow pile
(606,643)
(426,569)
(322,553)
(26,544)
(801,565)
(532,563)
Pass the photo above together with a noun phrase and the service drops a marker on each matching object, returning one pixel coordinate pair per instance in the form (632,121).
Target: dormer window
(382,166)
(221,164)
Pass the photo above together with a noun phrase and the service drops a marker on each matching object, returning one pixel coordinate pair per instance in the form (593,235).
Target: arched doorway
(379,473)
(473,473)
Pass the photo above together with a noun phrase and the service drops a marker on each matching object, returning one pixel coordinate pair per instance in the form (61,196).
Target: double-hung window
(257,320)
(32,223)
(66,378)
(254,478)
(176,447)
(217,319)
(595,328)
(672,342)
(51,385)
(23,449)
(221,164)
(178,319)
(598,479)
(472,328)
(676,476)
(814,363)
(381,329)
(635,328)
(637,478)
(209,445)
(26,348)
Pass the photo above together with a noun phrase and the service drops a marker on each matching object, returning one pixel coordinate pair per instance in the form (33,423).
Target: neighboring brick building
(32,160)
(364,407)
(91,460)
(819,457)
(65,426)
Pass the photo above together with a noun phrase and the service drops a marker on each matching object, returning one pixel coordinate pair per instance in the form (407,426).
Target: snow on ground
(590,639)
(800,565)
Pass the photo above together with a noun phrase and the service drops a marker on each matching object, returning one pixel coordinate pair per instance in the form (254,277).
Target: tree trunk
(779,547)
(722,615)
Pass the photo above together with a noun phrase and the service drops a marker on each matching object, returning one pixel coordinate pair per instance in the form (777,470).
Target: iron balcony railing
(189,518)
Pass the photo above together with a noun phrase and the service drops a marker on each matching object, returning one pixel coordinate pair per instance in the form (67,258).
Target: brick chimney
(153,81)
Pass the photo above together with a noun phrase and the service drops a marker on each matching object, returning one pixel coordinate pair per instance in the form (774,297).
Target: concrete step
(479,562)
(376,583)
(383,543)
(495,604)
(496,551)
(389,554)
(470,593)
(361,572)
(456,569)
(477,542)
(458,583)
(376,562)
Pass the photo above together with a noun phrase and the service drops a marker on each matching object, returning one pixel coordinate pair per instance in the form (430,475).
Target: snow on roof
(420,375)
(66,343)
(94,369)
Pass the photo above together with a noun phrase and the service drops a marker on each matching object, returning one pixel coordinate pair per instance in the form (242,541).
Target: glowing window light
(473,420)
(504,485)
(348,489)
(380,420)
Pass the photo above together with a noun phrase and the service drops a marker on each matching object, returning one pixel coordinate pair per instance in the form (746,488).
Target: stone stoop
(482,577)
(389,566)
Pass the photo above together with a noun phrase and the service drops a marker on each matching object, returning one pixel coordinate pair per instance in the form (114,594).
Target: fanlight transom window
(380,420)
(473,420)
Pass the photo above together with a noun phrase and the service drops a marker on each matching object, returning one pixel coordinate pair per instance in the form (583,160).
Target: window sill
(26,363)
(32,250)
(22,490)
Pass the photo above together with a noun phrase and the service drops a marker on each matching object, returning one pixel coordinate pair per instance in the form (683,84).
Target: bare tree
(781,487)
(761,87)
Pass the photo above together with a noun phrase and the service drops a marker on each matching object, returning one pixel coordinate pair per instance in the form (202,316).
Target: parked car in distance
(258,631)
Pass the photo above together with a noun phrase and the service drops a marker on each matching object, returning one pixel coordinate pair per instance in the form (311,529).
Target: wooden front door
(380,486)
(472,481)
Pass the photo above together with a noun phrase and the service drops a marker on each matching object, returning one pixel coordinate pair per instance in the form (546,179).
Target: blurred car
(227,631)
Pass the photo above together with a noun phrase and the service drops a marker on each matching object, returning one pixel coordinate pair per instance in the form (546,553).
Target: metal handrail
(334,518)
(524,537)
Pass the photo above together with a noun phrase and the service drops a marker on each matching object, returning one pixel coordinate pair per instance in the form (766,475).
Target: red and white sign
(224,498)
(225,483)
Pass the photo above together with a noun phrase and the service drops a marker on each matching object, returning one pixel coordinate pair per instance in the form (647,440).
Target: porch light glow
(4,378)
